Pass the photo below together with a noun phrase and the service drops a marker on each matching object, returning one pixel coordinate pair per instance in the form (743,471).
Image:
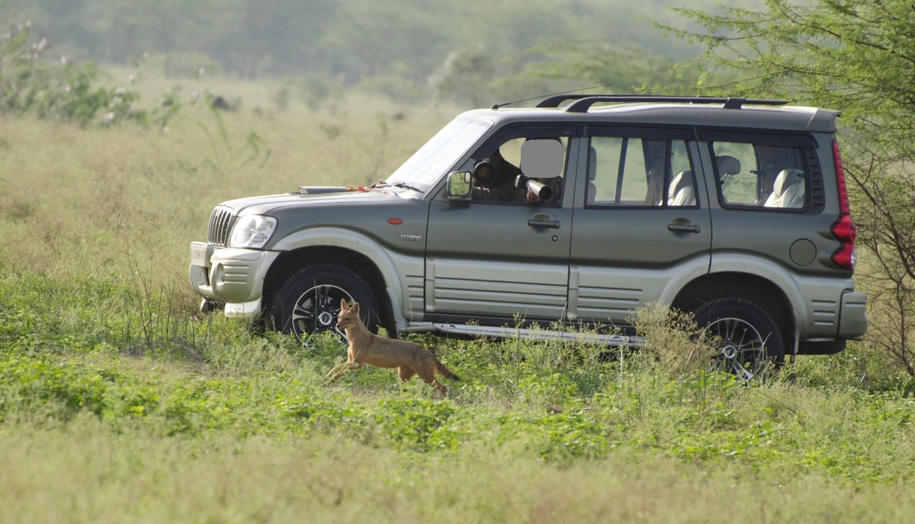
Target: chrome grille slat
(221,220)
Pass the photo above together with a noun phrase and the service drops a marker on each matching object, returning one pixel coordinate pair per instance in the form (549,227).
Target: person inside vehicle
(655,174)
(500,182)
(766,181)
(541,162)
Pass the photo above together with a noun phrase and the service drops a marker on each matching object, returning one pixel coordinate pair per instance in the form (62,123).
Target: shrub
(31,84)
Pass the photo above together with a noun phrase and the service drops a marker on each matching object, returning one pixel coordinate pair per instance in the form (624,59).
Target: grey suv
(575,212)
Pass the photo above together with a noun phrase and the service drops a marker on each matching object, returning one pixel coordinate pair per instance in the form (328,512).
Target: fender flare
(360,243)
(756,268)
(768,270)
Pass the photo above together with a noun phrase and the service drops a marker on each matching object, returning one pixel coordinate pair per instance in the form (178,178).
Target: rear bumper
(852,320)
(853,315)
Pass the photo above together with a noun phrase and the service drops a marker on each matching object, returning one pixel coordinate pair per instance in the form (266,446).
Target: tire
(748,340)
(308,303)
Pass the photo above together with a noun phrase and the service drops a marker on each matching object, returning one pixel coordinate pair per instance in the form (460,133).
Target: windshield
(440,153)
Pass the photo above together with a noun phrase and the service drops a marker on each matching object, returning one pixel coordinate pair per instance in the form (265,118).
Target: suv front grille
(221,220)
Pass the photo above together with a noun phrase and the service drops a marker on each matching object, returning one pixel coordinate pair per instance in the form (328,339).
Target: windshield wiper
(406,186)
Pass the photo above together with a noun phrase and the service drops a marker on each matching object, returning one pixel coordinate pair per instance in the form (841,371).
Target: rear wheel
(308,303)
(747,339)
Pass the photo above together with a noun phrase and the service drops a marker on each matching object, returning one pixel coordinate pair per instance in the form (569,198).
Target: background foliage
(403,49)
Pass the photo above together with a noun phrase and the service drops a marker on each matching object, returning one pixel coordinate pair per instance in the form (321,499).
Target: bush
(30,84)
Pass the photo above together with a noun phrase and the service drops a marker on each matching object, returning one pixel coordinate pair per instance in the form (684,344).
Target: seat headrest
(728,165)
(785,179)
(681,180)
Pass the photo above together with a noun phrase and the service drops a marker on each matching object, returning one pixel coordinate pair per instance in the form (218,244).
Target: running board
(528,334)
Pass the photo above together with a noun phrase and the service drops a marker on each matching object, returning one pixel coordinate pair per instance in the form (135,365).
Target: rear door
(774,185)
(641,221)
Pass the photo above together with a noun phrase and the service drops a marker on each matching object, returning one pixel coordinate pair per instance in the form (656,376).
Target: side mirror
(459,185)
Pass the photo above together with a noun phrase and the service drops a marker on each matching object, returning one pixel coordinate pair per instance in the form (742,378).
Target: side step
(531,334)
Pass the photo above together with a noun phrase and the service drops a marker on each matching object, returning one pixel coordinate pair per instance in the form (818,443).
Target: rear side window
(636,171)
(767,173)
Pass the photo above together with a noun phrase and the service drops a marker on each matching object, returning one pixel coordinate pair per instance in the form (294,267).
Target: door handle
(536,222)
(683,228)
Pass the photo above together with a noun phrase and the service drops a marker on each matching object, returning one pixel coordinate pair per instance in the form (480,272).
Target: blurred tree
(857,56)
(408,38)
(373,37)
(127,29)
(619,69)
(396,45)
(465,77)
(280,36)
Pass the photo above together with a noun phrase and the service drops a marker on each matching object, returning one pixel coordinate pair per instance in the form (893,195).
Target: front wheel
(308,303)
(746,338)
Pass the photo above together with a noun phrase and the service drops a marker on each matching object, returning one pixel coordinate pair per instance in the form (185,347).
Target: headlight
(252,231)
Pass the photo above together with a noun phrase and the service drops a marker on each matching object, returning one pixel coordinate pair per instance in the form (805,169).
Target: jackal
(367,348)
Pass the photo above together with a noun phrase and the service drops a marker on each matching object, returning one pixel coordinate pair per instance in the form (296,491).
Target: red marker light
(395,221)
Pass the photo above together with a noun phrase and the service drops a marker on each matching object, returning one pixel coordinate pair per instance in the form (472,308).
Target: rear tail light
(844,228)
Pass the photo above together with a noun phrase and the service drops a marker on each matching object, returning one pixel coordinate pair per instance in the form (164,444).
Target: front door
(499,259)
(495,262)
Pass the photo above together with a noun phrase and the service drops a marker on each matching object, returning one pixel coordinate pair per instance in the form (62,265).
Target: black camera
(484,173)
(542,191)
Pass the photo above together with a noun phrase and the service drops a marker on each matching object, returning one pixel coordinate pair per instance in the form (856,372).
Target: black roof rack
(582,103)
(555,100)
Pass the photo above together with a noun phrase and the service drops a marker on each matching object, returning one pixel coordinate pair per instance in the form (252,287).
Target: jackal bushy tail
(445,372)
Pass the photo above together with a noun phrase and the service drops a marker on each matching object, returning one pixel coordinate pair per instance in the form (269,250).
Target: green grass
(120,403)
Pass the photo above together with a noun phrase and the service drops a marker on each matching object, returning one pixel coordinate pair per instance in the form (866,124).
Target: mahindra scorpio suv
(535,221)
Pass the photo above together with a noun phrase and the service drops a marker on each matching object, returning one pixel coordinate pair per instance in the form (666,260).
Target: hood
(317,196)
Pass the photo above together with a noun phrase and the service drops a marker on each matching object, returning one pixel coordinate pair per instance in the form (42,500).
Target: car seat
(788,190)
(681,191)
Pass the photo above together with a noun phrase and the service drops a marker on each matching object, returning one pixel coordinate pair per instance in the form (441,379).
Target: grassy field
(120,403)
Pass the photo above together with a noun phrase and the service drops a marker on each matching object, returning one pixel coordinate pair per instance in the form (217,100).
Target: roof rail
(582,103)
(555,100)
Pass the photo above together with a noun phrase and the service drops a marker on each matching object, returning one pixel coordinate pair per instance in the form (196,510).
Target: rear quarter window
(759,173)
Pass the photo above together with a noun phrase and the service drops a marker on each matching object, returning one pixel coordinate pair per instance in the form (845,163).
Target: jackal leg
(441,387)
(405,373)
(339,370)
(427,373)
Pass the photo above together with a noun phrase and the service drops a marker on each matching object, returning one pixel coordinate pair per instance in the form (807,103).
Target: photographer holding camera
(538,181)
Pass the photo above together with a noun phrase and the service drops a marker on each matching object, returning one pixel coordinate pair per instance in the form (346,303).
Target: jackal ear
(343,305)
(356,307)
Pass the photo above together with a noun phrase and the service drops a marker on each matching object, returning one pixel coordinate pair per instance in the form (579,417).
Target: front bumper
(230,275)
